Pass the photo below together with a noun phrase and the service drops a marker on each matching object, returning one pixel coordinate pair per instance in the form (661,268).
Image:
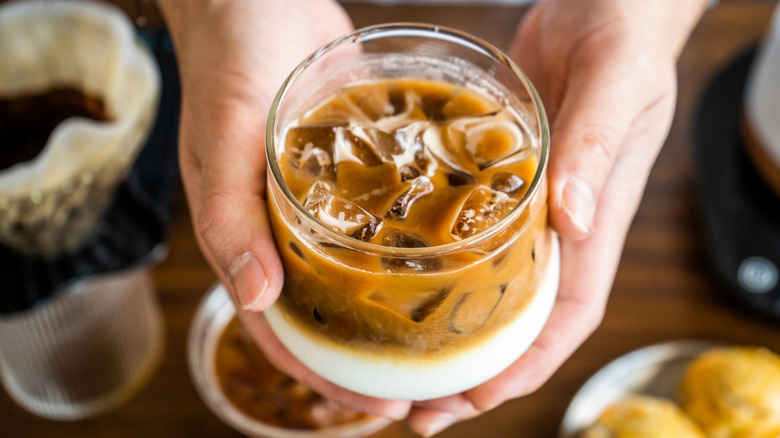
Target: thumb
(223,167)
(598,108)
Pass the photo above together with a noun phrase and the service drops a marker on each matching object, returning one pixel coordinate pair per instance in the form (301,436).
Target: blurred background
(666,287)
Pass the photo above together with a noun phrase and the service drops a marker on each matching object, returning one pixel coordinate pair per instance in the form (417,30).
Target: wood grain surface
(664,289)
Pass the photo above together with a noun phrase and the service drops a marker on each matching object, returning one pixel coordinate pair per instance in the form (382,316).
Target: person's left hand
(233,55)
(605,70)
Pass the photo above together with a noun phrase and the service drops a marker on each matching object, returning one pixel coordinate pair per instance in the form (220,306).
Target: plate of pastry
(680,389)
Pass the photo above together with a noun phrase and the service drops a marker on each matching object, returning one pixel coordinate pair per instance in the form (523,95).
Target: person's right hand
(605,70)
(233,56)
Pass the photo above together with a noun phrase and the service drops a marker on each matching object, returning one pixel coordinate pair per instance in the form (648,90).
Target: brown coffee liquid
(27,121)
(410,164)
(266,394)
(406,188)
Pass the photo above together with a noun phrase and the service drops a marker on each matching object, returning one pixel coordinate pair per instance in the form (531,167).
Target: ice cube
(428,306)
(415,306)
(341,214)
(457,178)
(434,144)
(491,139)
(418,188)
(405,239)
(467,105)
(319,149)
(506,182)
(373,100)
(349,147)
(363,151)
(301,140)
(338,111)
(342,148)
(380,143)
(414,158)
(341,142)
(315,161)
(434,98)
(474,309)
(402,148)
(398,119)
(483,208)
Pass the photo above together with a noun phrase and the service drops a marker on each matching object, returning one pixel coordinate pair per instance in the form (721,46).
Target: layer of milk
(406,378)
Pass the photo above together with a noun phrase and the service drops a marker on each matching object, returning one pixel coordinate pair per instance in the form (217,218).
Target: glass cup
(421,322)
(86,350)
(80,327)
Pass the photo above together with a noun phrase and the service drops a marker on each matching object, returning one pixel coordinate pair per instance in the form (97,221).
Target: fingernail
(579,204)
(248,280)
(442,422)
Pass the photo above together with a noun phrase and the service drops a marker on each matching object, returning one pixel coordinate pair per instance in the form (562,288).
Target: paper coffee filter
(85,45)
(51,203)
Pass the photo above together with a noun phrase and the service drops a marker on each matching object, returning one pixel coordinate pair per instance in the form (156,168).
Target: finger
(428,422)
(588,267)
(456,404)
(223,166)
(603,96)
(224,109)
(281,358)
(577,312)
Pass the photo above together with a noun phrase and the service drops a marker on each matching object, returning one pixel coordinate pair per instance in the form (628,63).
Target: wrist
(682,17)
(661,26)
(182,16)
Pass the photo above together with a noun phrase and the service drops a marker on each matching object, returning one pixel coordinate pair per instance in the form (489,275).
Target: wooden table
(664,288)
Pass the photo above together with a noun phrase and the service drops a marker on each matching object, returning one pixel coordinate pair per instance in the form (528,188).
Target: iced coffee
(410,214)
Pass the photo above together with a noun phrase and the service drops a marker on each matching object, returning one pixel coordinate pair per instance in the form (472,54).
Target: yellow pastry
(734,392)
(643,417)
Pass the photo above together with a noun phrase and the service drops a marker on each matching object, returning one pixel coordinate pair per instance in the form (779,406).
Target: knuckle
(189,159)
(595,144)
(210,218)
(537,380)
(229,118)
(601,143)
(593,315)
(589,150)
(594,318)
(591,312)
(533,386)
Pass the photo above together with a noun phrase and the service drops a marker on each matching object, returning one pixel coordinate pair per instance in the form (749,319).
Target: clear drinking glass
(86,349)
(74,345)
(422,322)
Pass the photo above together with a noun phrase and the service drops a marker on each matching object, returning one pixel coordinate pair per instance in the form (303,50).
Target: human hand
(233,56)
(606,73)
